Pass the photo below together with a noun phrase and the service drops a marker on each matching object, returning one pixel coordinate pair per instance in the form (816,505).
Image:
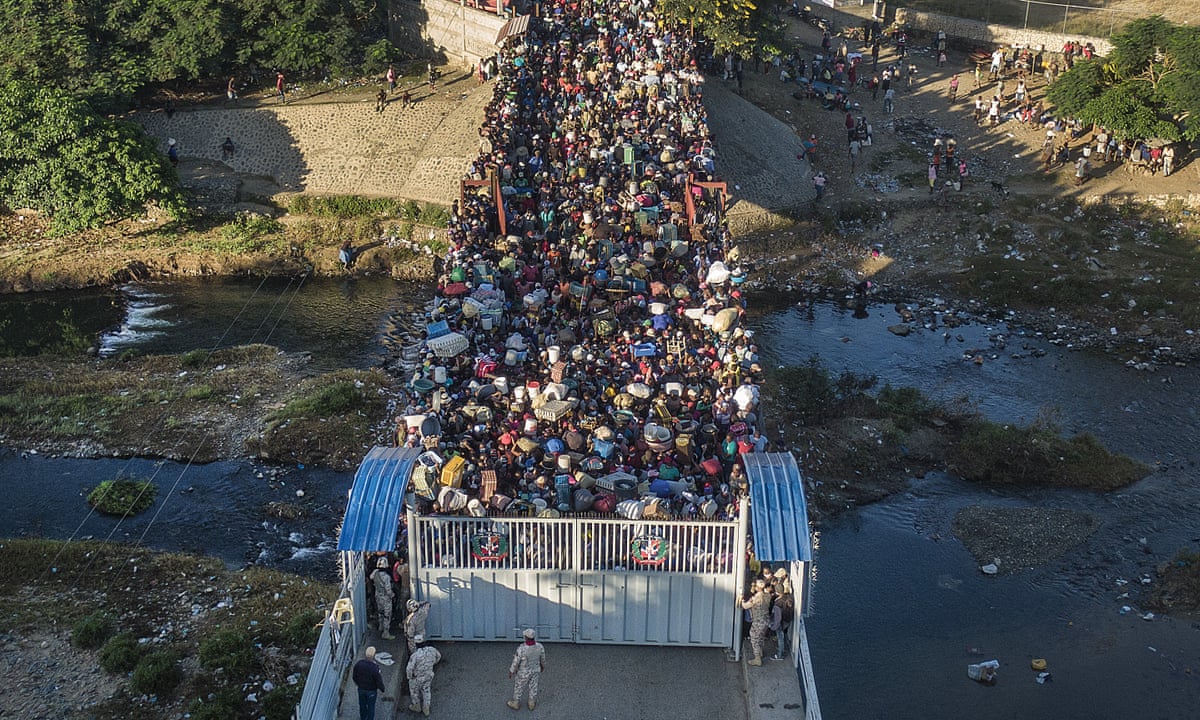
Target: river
(899,607)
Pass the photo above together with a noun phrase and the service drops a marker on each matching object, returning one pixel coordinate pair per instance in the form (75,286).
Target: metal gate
(580,579)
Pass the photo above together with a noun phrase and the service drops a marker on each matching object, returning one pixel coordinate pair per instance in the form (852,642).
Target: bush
(301,632)
(324,401)
(194,359)
(1038,455)
(198,392)
(813,394)
(122,497)
(244,232)
(120,654)
(379,54)
(91,632)
(221,705)
(906,406)
(228,649)
(280,703)
(157,674)
(344,206)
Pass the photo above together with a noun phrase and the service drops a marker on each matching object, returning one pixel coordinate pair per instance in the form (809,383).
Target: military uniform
(420,677)
(527,665)
(381,580)
(414,624)
(759,606)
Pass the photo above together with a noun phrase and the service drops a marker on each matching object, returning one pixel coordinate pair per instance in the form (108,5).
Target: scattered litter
(1148,616)
(878,182)
(984,672)
(1038,663)
(1043,678)
(990,569)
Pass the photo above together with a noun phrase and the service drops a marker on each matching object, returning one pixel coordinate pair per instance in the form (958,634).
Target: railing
(576,543)
(341,635)
(808,682)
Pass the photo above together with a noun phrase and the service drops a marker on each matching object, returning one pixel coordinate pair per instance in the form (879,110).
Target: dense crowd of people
(585,352)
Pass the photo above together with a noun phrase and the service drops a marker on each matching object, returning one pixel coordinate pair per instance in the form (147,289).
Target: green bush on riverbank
(1038,454)
(358,206)
(866,442)
(123,497)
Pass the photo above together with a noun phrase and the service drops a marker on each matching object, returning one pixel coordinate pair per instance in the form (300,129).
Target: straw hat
(603,432)
(526,444)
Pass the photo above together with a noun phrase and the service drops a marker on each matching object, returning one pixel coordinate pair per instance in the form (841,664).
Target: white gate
(579,579)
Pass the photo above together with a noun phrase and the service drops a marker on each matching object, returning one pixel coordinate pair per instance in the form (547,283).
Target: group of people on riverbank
(585,353)
(1068,141)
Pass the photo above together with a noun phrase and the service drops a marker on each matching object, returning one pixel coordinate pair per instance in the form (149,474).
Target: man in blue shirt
(369,680)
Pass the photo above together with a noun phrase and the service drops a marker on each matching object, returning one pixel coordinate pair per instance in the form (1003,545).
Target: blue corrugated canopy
(778,512)
(377,499)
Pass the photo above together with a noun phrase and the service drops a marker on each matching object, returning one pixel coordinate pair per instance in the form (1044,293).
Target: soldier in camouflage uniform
(759,606)
(381,580)
(420,675)
(414,624)
(527,665)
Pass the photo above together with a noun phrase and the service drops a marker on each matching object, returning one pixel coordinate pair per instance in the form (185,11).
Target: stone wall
(998,34)
(971,30)
(432,27)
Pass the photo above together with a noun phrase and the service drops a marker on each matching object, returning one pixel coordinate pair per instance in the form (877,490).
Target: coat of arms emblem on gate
(648,550)
(489,546)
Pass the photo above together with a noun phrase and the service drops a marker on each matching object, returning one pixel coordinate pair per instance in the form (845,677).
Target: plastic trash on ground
(984,672)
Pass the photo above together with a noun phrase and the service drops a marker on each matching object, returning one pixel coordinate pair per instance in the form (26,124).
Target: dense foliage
(105,50)
(1149,87)
(60,62)
(59,157)
(737,26)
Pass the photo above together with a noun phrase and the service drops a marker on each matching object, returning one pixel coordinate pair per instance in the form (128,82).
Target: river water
(899,607)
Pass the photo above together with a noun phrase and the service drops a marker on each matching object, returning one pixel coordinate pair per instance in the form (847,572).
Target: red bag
(604,502)
(711,466)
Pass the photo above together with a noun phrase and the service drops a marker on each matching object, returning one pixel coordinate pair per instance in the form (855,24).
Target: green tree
(107,50)
(1148,87)
(735,26)
(61,158)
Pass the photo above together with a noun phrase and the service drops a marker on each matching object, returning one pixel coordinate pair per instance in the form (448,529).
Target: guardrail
(341,635)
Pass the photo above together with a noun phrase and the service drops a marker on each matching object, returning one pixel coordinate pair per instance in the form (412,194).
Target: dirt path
(1008,153)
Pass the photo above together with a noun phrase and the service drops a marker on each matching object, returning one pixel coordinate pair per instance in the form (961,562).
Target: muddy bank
(247,402)
(31,260)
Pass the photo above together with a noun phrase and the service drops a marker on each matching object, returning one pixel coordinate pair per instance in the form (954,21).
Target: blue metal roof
(377,499)
(778,512)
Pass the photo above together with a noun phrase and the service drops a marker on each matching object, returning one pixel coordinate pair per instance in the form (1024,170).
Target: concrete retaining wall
(1191,201)
(432,26)
(998,34)
(972,30)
